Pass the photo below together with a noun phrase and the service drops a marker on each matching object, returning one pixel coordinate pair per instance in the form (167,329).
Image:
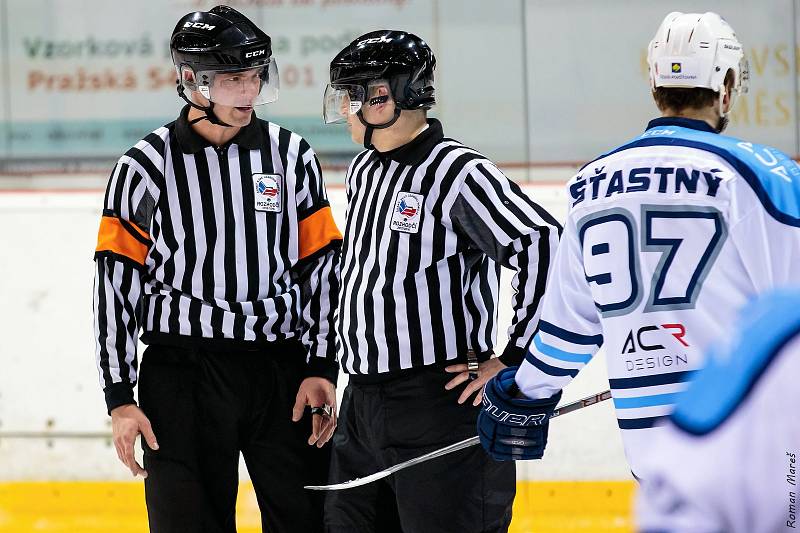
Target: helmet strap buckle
(209,111)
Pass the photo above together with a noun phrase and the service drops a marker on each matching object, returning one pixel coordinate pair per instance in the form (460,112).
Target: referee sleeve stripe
(122,238)
(532,281)
(511,190)
(111,189)
(493,224)
(142,160)
(481,196)
(102,308)
(317,231)
(508,194)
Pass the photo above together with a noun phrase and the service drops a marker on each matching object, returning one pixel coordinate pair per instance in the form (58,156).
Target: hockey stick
(466,443)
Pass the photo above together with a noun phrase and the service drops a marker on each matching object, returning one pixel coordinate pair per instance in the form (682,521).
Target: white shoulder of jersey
(728,459)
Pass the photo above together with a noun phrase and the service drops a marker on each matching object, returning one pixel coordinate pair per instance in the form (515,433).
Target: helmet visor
(238,88)
(340,101)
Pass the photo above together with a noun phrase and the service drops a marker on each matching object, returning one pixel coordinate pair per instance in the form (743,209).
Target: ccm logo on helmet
(199,25)
(254,53)
(373,40)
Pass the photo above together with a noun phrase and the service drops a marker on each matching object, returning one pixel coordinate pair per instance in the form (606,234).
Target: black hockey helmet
(222,41)
(402,59)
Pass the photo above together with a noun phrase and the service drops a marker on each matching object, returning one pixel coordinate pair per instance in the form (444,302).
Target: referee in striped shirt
(217,241)
(429,221)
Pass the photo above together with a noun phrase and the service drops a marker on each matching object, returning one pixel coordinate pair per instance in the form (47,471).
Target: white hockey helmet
(697,50)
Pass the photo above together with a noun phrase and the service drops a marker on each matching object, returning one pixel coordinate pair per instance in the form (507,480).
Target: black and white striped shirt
(427,225)
(232,247)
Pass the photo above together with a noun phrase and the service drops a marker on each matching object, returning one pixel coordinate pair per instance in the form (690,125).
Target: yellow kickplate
(567,506)
(100,507)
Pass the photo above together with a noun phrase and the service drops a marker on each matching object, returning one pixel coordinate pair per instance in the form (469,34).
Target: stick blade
(357,482)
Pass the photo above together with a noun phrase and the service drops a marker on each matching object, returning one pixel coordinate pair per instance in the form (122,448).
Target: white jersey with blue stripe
(666,238)
(728,460)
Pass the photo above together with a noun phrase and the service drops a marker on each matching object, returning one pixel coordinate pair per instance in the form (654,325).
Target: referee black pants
(383,424)
(207,407)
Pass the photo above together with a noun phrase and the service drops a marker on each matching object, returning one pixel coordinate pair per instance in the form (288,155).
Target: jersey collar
(681,122)
(415,151)
(191,142)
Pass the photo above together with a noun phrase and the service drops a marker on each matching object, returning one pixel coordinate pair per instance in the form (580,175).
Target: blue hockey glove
(513,428)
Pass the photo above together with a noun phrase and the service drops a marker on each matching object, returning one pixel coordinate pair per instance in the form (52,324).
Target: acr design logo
(676,67)
(638,340)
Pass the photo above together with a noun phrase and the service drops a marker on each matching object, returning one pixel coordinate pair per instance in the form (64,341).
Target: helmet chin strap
(372,127)
(209,111)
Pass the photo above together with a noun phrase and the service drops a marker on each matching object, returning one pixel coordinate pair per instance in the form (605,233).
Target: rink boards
(50,483)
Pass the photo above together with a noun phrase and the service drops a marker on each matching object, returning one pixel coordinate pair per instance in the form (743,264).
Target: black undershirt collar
(416,150)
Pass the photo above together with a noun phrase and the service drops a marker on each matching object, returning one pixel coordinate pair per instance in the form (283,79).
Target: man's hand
(486,371)
(511,426)
(127,421)
(317,392)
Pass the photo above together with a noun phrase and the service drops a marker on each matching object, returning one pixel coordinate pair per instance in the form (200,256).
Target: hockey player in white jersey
(728,459)
(666,238)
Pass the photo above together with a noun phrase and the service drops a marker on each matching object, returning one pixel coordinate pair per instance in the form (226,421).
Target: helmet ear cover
(187,77)
(412,92)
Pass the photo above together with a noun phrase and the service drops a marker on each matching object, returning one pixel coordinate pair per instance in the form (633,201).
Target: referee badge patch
(407,212)
(268,192)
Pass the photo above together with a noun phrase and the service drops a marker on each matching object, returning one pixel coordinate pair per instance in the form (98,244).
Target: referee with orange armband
(217,241)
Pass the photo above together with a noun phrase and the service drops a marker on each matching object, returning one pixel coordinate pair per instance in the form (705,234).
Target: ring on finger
(324,410)
(472,368)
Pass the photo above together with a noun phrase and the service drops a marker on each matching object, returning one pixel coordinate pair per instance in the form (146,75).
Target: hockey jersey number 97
(666,238)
